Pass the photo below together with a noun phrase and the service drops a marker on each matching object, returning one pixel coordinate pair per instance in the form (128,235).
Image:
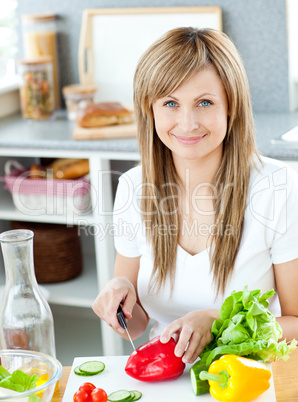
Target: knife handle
(121,318)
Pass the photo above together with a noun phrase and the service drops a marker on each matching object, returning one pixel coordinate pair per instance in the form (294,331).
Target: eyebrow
(198,97)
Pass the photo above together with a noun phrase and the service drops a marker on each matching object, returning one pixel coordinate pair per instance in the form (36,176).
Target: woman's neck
(198,172)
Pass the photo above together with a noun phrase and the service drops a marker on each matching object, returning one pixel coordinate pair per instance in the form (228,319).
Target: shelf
(79,292)
(98,249)
(8,211)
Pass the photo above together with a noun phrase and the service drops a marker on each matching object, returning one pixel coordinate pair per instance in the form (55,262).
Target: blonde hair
(168,63)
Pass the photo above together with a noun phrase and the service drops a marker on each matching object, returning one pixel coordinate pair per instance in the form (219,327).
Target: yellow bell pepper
(236,379)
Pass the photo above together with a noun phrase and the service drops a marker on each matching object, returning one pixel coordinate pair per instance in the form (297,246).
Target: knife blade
(123,324)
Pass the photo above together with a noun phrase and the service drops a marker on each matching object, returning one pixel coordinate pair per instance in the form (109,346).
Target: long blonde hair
(168,63)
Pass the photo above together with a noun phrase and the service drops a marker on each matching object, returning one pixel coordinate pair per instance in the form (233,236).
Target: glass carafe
(26,321)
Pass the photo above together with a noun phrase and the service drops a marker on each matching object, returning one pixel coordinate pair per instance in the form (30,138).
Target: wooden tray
(98,133)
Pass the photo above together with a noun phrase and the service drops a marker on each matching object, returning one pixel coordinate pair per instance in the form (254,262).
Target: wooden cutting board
(114,378)
(107,132)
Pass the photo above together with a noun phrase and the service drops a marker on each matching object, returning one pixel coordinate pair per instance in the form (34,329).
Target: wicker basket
(57,251)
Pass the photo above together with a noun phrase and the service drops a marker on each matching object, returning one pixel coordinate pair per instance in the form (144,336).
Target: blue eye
(171,104)
(205,103)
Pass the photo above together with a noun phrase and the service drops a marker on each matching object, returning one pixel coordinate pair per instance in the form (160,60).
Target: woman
(204,213)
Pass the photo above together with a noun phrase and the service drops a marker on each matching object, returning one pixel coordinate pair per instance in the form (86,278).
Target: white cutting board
(114,378)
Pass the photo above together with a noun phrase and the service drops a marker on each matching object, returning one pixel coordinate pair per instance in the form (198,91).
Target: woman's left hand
(192,331)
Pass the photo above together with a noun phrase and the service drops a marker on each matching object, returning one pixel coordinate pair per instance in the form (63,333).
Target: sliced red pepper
(155,361)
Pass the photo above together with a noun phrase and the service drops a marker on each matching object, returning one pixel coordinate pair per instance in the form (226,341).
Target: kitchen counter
(284,375)
(272,126)
(56,134)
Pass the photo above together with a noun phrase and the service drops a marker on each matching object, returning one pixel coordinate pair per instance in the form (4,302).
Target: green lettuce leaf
(247,328)
(3,373)
(19,381)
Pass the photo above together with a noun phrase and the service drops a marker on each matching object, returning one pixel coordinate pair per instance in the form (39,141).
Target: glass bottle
(26,321)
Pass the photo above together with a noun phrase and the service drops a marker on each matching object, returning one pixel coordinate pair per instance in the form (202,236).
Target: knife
(123,324)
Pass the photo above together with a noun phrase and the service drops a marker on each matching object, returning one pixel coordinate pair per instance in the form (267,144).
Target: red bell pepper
(155,361)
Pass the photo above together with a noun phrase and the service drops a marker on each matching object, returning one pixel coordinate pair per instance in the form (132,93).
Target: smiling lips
(190,140)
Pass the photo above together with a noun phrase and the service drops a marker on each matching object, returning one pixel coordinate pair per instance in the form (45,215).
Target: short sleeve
(126,218)
(285,242)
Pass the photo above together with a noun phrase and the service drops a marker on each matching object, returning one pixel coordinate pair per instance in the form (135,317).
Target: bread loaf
(103,114)
(37,172)
(61,168)
(68,168)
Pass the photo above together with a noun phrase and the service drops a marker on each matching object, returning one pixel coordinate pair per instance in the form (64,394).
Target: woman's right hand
(118,290)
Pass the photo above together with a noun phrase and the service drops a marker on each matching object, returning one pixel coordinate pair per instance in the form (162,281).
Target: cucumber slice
(120,396)
(79,372)
(92,367)
(137,395)
(199,386)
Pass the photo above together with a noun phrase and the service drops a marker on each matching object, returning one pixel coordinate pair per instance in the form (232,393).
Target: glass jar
(40,39)
(36,90)
(25,316)
(77,97)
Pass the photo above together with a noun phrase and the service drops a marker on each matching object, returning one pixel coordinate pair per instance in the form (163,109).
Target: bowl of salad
(28,376)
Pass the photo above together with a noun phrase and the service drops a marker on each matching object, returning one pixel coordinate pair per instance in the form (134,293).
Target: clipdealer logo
(273,212)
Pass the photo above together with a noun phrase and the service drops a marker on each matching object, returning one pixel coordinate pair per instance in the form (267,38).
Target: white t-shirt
(270,236)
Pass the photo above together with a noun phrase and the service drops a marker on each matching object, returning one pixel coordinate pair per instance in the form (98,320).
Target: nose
(188,121)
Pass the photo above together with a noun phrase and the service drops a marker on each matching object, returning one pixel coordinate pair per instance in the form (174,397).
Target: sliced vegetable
(199,386)
(79,372)
(136,395)
(90,368)
(99,395)
(234,378)
(118,396)
(42,379)
(155,361)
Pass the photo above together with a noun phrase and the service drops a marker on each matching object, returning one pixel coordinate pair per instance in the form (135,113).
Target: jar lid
(37,60)
(78,89)
(39,17)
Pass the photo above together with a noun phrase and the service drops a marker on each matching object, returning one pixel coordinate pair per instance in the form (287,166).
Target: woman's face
(192,121)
